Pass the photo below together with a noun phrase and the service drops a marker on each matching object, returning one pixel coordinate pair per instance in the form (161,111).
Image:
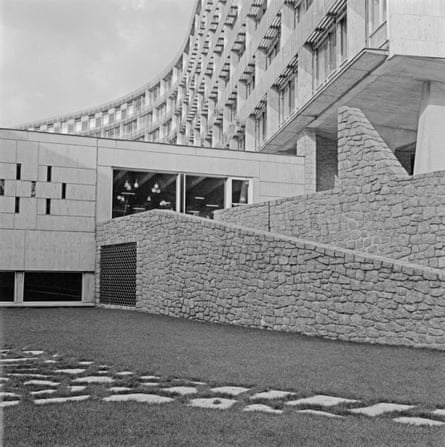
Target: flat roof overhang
(387,90)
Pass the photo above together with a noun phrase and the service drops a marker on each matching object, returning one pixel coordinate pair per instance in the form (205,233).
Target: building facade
(55,189)
(269,76)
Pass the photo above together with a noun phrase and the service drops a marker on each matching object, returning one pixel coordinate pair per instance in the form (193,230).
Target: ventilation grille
(118,274)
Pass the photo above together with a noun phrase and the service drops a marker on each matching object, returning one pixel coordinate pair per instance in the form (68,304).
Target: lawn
(220,355)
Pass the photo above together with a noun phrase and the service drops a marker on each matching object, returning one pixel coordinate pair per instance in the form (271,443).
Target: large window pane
(134,192)
(240,192)
(6,286)
(203,195)
(52,286)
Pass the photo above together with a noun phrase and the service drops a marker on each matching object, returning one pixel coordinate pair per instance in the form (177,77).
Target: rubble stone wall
(375,207)
(205,270)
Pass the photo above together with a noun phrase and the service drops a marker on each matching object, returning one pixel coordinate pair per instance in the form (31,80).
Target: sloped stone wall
(374,208)
(205,270)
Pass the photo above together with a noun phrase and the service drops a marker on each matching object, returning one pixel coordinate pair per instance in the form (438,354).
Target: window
(7,286)
(343,44)
(274,46)
(84,126)
(52,286)
(203,195)
(48,173)
(287,94)
(78,125)
(260,123)
(2,187)
(17,205)
(325,56)
(18,171)
(98,122)
(376,14)
(250,84)
(63,190)
(33,189)
(48,206)
(240,192)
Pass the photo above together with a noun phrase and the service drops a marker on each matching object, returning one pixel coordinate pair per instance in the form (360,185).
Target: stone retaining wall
(375,207)
(205,270)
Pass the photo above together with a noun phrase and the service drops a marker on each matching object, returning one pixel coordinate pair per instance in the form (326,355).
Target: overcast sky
(60,56)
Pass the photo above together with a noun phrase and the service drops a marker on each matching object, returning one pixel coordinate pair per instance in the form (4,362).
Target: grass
(221,355)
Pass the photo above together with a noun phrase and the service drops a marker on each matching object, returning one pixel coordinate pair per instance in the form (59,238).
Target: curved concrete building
(269,75)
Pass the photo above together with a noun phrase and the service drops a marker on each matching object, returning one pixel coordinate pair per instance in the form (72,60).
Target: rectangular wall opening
(7,286)
(53,286)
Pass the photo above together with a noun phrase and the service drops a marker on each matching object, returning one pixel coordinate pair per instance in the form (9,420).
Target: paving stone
(36,376)
(182,390)
(417,421)
(7,394)
(94,379)
(321,399)
(60,400)
(118,389)
(103,372)
(149,377)
(139,397)
(319,413)
(272,394)
(42,382)
(125,373)
(380,408)
(34,352)
(43,392)
(50,361)
(85,363)
(263,408)
(232,390)
(77,388)
(17,360)
(213,403)
(73,371)
(439,412)
(9,403)
(150,383)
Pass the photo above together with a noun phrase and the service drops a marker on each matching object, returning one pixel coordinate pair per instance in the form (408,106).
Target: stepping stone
(42,382)
(272,394)
(139,397)
(213,402)
(21,359)
(439,412)
(6,394)
(418,421)
(149,377)
(70,371)
(8,403)
(43,392)
(94,379)
(263,408)
(182,390)
(85,363)
(77,388)
(50,361)
(378,409)
(118,389)
(36,376)
(150,384)
(321,399)
(232,390)
(125,373)
(60,400)
(32,352)
(320,413)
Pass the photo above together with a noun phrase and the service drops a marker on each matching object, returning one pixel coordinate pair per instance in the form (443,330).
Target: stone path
(32,375)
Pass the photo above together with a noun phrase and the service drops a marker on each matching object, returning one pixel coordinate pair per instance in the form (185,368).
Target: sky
(60,56)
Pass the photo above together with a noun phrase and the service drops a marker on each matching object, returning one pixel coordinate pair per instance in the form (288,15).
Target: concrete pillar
(430,148)
(307,148)
(19,286)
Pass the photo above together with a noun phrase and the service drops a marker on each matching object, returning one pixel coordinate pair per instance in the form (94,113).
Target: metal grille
(118,274)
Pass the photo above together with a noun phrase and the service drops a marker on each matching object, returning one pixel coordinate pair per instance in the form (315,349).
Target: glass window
(2,187)
(203,195)
(240,192)
(6,286)
(52,286)
(376,14)
(134,192)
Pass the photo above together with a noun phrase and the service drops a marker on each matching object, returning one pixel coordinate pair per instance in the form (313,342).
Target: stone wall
(374,208)
(205,270)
